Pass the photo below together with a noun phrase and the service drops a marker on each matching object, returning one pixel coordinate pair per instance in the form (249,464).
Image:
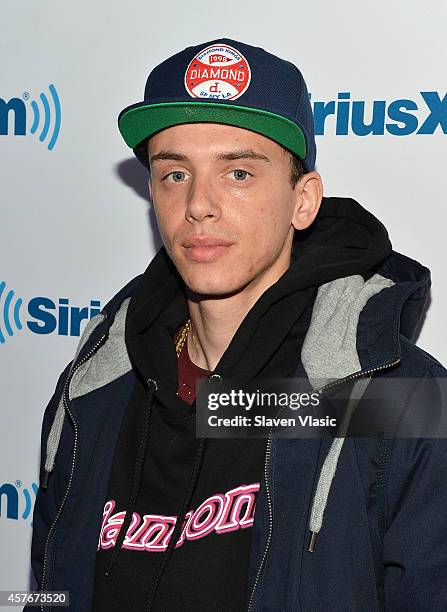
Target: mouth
(206,248)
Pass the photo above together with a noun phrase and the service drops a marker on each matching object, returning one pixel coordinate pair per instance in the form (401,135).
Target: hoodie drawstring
(179,522)
(138,470)
(53,443)
(329,466)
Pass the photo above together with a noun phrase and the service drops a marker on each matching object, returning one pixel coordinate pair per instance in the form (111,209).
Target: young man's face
(225,205)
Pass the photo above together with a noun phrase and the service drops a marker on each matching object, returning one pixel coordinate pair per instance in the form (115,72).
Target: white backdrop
(75,218)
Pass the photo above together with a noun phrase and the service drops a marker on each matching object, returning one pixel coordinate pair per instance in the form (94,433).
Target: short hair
(297,168)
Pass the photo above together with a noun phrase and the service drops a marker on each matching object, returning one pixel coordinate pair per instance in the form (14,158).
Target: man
(259,277)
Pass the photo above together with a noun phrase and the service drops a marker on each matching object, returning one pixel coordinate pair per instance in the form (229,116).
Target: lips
(205,241)
(205,248)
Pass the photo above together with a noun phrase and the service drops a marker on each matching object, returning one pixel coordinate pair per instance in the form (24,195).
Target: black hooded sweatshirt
(162,475)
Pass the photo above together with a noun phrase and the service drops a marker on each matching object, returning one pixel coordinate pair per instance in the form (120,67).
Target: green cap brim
(138,124)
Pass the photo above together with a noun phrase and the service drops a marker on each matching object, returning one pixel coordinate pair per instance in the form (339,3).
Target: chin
(211,285)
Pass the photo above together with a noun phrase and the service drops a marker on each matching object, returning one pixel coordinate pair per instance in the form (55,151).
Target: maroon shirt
(188,373)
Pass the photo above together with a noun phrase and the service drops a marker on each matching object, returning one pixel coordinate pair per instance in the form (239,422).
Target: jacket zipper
(361,374)
(270,514)
(75,446)
(267,460)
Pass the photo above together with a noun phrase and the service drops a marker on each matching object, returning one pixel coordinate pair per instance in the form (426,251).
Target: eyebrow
(168,155)
(243,154)
(230,155)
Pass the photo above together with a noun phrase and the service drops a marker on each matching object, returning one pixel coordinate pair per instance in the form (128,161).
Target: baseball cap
(230,82)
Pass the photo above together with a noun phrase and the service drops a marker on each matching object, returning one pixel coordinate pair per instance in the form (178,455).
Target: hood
(344,240)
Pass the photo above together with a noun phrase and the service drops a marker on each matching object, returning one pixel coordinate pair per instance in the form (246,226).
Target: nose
(201,201)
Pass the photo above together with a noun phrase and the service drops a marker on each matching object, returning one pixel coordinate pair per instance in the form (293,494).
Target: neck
(216,320)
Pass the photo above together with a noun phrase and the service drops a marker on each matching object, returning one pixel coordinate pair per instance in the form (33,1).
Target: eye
(240,175)
(177,176)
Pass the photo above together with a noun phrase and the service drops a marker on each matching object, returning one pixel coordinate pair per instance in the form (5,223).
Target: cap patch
(218,72)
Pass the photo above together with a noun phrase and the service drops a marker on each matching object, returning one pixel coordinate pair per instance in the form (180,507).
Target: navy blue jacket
(383,545)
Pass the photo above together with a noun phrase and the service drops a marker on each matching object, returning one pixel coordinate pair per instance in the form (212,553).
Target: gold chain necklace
(181,338)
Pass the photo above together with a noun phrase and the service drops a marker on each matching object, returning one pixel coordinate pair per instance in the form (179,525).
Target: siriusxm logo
(43,315)
(46,119)
(16,501)
(400,117)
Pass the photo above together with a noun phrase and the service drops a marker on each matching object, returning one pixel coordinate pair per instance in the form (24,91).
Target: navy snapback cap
(230,82)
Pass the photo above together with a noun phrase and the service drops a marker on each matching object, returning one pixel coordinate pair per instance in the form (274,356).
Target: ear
(309,194)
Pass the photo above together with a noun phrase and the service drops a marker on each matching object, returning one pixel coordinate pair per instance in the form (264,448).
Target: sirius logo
(16,501)
(46,118)
(43,315)
(398,117)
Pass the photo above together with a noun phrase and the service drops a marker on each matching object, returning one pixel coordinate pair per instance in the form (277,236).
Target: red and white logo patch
(218,72)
